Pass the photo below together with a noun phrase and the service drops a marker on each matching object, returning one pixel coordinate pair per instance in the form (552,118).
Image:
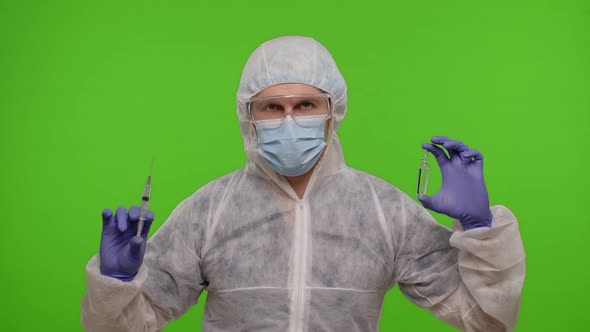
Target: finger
(149,218)
(425,200)
(439,139)
(132,255)
(475,155)
(121,218)
(439,154)
(429,202)
(136,248)
(453,146)
(108,221)
(133,214)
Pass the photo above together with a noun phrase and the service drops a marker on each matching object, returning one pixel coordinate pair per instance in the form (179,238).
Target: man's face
(293,89)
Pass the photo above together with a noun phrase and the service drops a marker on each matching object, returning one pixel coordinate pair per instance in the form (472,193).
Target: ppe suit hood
(292,59)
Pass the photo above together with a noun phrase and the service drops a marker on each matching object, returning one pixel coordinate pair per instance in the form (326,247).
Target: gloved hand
(463,193)
(121,250)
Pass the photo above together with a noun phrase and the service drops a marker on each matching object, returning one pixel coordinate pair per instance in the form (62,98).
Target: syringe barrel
(145,200)
(143,209)
(140,226)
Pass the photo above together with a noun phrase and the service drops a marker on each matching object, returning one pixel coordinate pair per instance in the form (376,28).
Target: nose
(288,111)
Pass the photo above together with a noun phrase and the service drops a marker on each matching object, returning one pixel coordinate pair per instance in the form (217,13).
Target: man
(298,241)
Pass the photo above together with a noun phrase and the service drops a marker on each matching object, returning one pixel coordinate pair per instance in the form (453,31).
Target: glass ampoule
(423,172)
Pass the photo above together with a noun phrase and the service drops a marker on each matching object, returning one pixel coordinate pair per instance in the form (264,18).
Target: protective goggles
(305,109)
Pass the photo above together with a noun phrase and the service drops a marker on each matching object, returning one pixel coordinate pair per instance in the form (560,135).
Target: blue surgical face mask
(292,148)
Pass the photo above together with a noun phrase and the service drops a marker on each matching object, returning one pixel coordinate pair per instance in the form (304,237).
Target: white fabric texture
(274,262)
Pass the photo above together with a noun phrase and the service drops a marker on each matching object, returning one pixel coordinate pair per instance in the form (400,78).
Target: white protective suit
(273,262)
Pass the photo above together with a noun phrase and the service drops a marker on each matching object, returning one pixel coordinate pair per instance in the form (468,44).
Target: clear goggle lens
(298,106)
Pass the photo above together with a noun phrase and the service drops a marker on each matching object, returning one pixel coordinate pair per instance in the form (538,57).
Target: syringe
(145,200)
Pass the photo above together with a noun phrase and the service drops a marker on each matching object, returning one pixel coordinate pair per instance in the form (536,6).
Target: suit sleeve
(168,283)
(470,279)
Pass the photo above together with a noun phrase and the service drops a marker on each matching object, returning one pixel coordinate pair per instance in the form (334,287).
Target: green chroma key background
(89,88)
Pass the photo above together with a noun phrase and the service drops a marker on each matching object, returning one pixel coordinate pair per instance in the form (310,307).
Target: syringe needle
(152,165)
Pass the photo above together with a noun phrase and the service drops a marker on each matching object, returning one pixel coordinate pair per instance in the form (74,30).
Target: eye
(270,108)
(306,105)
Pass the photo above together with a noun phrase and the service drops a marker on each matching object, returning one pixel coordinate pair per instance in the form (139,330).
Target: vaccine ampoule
(423,171)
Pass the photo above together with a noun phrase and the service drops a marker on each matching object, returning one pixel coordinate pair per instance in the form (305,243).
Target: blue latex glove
(463,193)
(121,250)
